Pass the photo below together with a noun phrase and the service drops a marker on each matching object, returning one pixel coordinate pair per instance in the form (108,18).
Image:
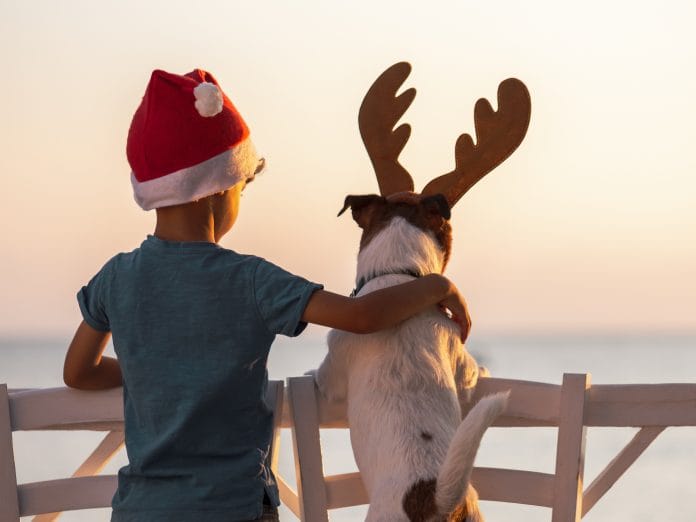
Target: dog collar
(364,280)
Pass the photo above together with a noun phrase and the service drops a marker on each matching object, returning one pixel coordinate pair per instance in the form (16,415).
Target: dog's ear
(437,205)
(363,207)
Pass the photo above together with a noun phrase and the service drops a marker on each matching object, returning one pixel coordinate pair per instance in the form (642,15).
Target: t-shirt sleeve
(281,298)
(91,299)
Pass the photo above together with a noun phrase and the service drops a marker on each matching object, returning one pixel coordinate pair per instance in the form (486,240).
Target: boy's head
(187,141)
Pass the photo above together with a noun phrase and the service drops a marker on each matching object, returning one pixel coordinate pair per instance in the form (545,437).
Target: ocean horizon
(658,487)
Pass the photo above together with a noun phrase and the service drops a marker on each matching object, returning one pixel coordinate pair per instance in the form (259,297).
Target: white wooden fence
(572,407)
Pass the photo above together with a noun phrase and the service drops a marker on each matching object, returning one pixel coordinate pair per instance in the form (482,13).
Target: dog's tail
(455,473)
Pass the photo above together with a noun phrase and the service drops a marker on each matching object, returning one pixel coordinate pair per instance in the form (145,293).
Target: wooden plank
(505,421)
(82,426)
(500,485)
(494,484)
(288,496)
(641,405)
(643,393)
(639,414)
(530,403)
(309,470)
(570,449)
(618,466)
(516,486)
(9,504)
(345,490)
(274,399)
(67,408)
(66,494)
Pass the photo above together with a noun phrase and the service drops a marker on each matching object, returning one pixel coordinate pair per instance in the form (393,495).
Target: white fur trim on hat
(208,99)
(192,183)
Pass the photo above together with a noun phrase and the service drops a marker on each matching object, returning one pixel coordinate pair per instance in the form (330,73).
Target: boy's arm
(85,367)
(387,307)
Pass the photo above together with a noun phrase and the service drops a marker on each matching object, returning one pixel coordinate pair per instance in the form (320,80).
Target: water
(658,487)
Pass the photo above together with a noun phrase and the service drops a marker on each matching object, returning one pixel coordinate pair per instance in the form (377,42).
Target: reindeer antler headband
(498,134)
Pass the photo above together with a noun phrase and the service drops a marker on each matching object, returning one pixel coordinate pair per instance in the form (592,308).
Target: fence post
(9,505)
(570,449)
(311,489)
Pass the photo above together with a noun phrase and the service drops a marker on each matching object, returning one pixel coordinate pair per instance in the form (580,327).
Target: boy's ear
(363,207)
(437,204)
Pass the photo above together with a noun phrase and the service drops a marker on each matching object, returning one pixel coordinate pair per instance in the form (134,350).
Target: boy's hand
(454,307)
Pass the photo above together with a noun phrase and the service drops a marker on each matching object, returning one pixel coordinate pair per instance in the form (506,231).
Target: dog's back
(414,452)
(404,387)
(402,403)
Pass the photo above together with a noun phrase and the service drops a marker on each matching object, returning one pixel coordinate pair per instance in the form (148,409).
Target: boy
(193,323)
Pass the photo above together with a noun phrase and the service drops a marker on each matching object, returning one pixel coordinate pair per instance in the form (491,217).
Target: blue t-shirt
(192,326)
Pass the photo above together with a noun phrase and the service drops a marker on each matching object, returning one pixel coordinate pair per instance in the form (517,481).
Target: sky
(588,227)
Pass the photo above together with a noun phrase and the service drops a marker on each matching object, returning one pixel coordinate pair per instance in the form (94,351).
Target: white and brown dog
(405,387)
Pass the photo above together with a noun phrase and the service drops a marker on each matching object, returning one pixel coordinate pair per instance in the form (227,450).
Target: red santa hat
(187,141)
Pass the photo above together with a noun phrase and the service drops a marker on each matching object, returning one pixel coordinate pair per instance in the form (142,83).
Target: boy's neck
(188,222)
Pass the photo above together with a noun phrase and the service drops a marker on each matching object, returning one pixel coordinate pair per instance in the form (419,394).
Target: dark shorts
(270,512)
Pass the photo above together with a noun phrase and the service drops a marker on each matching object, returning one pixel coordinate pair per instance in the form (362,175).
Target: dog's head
(428,214)
(408,231)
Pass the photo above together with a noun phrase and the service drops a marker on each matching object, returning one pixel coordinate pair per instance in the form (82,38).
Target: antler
(498,134)
(379,112)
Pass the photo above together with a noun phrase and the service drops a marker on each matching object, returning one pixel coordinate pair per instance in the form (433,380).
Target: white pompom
(208,99)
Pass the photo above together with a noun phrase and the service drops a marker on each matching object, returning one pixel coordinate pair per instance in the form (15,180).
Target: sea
(659,487)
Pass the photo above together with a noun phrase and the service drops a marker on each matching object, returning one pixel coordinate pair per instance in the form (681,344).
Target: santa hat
(187,141)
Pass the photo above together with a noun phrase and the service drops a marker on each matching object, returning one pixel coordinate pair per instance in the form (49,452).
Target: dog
(405,387)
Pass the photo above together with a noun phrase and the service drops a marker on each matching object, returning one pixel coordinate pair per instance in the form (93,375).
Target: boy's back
(192,324)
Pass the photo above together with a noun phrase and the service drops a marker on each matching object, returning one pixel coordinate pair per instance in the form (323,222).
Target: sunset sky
(589,227)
